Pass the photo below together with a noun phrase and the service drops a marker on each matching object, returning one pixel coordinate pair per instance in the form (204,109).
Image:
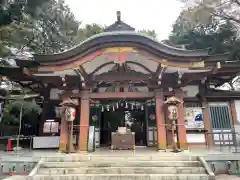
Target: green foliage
(41,27)
(14,11)
(217,36)
(55,28)
(45,26)
(214,9)
(151,33)
(30,113)
(87,31)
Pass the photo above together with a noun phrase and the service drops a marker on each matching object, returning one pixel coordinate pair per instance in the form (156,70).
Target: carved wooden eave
(67,102)
(173,100)
(130,39)
(219,94)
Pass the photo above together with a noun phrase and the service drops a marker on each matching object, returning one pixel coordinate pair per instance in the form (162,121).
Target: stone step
(76,158)
(122,164)
(123,177)
(123,170)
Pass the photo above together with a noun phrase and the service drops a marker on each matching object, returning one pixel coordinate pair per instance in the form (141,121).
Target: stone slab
(123,177)
(123,170)
(122,164)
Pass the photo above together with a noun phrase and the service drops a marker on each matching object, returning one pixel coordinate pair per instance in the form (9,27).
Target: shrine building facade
(121,73)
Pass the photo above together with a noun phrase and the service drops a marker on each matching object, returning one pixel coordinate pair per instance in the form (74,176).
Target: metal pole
(20,126)
(70,138)
(173,136)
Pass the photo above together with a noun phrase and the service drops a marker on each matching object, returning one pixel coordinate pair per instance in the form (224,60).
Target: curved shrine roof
(121,35)
(125,38)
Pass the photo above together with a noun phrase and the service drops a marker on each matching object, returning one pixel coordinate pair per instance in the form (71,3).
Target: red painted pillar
(84,122)
(182,134)
(160,121)
(63,134)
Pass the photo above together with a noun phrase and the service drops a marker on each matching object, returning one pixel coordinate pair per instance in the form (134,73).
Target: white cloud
(152,14)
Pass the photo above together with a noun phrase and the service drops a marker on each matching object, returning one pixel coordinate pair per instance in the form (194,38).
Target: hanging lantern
(172,112)
(108,108)
(172,107)
(173,116)
(70,114)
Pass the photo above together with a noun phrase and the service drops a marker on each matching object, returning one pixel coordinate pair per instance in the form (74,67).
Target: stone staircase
(88,167)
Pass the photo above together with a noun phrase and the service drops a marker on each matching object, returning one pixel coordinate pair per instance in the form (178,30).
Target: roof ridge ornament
(118,16)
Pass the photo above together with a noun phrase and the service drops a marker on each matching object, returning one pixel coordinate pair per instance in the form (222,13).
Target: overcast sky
(141,14)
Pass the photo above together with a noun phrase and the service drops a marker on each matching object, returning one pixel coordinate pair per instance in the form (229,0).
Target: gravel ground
(227,177)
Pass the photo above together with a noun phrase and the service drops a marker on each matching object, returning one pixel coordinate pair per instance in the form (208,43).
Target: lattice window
(220,116)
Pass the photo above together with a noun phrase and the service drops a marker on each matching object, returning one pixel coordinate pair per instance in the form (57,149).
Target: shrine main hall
(122,78)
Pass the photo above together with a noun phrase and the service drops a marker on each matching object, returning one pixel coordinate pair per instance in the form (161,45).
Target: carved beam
(159,73)
(140,65)
(100,67)
(180,75)
(215,69)
(81,77)
(83,72)
(124,77)
(119,95)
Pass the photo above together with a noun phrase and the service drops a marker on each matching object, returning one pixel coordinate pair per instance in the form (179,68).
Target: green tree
(219,9)
(87,31)
(46,27)
(151,33)
(217,36)
(30,113)
(55,28)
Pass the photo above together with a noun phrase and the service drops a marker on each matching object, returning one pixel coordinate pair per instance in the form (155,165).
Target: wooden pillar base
(83,139)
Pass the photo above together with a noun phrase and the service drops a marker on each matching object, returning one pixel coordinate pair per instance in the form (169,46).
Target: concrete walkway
(35,154)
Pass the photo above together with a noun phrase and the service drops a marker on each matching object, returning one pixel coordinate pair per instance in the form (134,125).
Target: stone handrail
(207,168)
(35,169)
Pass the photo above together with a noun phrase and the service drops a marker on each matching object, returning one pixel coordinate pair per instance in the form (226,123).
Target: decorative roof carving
(68,102)
(173,100)
(119,25)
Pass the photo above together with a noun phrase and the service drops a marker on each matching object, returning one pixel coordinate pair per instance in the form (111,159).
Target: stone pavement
(36,154)
(227,177)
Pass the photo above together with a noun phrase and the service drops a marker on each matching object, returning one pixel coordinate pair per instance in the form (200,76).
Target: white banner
(193,118)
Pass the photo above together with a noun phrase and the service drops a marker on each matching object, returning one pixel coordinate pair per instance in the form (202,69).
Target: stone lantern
(68,113)
(172,115)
